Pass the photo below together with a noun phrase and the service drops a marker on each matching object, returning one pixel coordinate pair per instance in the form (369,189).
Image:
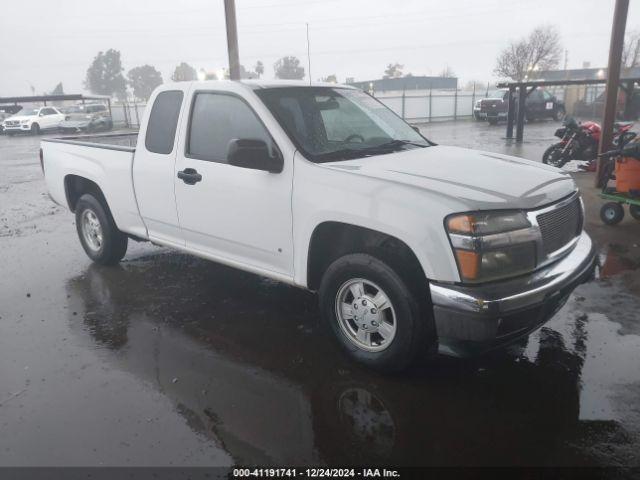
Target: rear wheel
(99,236)
(372,313)
(612,213)
(634,210)
(554,156)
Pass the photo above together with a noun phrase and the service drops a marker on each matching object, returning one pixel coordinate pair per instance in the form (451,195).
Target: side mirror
(41,114)
(254,154)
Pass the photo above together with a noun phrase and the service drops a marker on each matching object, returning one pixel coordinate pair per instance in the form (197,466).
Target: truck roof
(256,84)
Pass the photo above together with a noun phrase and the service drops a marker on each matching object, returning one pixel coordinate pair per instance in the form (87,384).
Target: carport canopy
(55,98)
(526,87)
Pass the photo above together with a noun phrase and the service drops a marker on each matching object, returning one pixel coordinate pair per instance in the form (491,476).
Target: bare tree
(393,70)
(541,50)
(631,50)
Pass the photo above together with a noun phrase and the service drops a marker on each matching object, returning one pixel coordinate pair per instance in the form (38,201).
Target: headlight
(492,245)
(88,117)
(24,121)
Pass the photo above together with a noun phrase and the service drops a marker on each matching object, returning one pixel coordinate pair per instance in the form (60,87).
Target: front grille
(12,123)
(561,225)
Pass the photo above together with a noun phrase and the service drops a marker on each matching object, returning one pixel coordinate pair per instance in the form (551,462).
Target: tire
(492,121)
(393,352)
(35,129)
(634,210)
(612,213)
(553,156)
(98,234)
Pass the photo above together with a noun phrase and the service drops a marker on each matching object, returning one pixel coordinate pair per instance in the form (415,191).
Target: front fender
(406,213)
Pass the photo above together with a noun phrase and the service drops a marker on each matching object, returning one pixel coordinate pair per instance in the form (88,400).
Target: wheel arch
(76,185)
(332,239)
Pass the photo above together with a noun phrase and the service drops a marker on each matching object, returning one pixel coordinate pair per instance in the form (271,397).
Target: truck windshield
(332,123)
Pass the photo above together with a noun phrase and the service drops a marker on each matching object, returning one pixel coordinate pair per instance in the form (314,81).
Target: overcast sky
(43,42)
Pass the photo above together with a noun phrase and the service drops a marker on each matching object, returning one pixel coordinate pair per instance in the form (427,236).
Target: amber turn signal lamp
(469,264)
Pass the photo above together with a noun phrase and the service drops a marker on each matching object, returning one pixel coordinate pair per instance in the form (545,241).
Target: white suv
(33,120)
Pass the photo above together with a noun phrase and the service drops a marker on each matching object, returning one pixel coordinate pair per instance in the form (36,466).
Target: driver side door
(235,215)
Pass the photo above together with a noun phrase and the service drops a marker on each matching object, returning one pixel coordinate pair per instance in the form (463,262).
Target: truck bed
(107,161)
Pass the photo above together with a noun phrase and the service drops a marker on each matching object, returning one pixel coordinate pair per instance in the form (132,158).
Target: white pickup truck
(414,248)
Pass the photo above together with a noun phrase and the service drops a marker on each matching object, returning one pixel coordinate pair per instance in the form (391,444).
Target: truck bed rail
(125,142)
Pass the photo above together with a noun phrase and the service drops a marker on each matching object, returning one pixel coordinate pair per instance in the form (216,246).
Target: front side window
(333,123)
(216,120)
(163,122)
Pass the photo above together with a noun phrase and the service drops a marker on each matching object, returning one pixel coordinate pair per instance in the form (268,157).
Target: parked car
(86,118)
(539,104)
(412,247)
(33,120)
(5,112)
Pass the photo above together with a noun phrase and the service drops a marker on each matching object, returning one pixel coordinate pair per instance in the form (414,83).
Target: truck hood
(479,180)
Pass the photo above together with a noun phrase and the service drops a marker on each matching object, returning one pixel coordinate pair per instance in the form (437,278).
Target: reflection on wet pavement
(247,365)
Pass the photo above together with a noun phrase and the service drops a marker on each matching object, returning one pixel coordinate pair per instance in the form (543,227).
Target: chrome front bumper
(473,319)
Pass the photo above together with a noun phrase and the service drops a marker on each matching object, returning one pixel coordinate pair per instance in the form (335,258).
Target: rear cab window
(163,122)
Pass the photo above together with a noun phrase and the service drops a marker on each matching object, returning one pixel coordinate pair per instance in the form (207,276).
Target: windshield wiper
(351,153)
(393,144)
(344,154)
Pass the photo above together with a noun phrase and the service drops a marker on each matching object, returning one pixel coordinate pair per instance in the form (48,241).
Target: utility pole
(232,39)
(613,78)
(308,54)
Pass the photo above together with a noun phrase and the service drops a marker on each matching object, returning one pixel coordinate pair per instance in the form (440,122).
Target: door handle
(190,176)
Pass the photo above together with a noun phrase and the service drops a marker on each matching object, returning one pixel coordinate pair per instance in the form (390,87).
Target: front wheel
(99,236)
(554,156)
(35,129)
(372,313)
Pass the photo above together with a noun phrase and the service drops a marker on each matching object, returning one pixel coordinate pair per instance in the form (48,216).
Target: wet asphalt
(167,359)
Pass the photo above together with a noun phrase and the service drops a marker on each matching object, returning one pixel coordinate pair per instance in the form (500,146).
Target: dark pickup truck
(538,105)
